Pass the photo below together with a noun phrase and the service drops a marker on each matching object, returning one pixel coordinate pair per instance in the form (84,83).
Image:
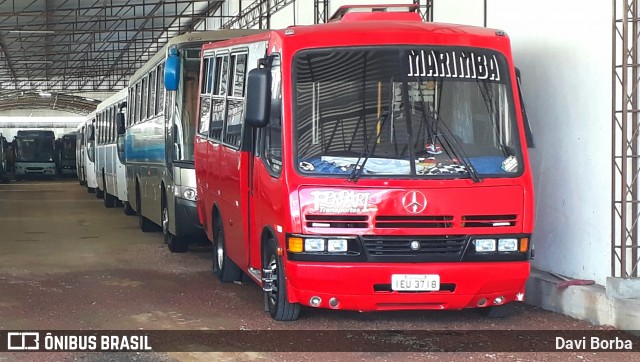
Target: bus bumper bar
(187,218)
(367,286)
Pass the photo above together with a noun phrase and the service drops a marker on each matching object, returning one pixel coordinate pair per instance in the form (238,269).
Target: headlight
(314,245)
(337,245)
(509,244)
(297,244)
(485,245)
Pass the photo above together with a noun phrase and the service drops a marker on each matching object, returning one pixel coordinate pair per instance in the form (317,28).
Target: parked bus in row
(110,159)
(66,154)
(35,154)
(86,153)
(375,162)
(4,159)
(161,184)
(80,144)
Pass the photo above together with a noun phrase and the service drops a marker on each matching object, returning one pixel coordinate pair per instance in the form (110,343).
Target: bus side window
(235,102)
(272,133)
(208,77)
(218,98)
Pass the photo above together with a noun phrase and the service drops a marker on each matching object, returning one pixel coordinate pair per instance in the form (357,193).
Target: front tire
(174,243)
(226,270)
(276,299)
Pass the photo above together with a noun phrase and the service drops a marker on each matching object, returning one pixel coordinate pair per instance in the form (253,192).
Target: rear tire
(128,210)
(99,193)
(109,200)
(276,299)
(226,270)
(146,225)
(174,243)
(91,190)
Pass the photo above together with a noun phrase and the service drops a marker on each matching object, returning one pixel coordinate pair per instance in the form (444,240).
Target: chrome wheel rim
(273,294)
(219,251)
(165,221)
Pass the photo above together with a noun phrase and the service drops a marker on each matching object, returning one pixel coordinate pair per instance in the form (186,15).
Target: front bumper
(367,286)
(187,222)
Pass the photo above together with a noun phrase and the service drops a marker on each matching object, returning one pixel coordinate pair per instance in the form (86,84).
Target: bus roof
(121,95)
(379,29)
(34,132)
(195,37)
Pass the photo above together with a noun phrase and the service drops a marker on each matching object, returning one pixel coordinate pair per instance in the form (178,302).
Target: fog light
(315,301)
(189,194)
(334,302)
(482,302)
(498,300)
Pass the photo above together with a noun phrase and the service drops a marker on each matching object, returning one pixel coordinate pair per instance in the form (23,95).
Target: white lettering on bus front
(344,201)
(453,65)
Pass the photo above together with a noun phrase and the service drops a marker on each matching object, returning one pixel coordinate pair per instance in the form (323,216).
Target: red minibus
(376,162)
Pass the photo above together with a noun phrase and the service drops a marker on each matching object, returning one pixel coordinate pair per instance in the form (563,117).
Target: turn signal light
(296,245)
(524,245)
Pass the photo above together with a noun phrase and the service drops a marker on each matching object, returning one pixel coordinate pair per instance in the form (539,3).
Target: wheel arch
(267,234)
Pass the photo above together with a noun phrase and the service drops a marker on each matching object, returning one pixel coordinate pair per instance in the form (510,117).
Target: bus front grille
(423,248)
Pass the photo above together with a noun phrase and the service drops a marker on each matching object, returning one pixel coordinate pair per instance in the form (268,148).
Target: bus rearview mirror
(172,70)
(258,98)
(525,118)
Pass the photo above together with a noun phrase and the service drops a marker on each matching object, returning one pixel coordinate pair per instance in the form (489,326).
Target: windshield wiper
(450,140)
(365,155)
(453,145)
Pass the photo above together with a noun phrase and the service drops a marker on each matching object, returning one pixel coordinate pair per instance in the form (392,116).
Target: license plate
(415,282)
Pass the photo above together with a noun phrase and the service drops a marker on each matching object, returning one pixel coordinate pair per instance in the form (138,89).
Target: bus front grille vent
(386,222)
(337,221)
(474,221)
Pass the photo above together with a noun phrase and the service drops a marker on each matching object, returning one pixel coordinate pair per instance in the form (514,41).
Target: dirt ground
(68,263)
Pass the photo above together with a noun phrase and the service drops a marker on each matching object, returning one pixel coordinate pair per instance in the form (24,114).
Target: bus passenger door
(232,175)
(269,200)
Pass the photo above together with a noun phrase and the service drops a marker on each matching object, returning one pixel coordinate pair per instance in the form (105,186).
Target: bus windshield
(35,148)
(68,148)
(184,124)
(417,111)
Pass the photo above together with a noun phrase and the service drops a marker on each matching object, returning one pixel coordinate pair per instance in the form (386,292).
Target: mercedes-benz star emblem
(414,202)
(415,245)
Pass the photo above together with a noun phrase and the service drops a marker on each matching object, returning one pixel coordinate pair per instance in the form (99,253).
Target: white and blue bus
(35,154)
(86,153)
(160,130)
(110,160)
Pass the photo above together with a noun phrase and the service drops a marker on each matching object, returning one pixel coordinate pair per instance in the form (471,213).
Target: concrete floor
(66,262)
